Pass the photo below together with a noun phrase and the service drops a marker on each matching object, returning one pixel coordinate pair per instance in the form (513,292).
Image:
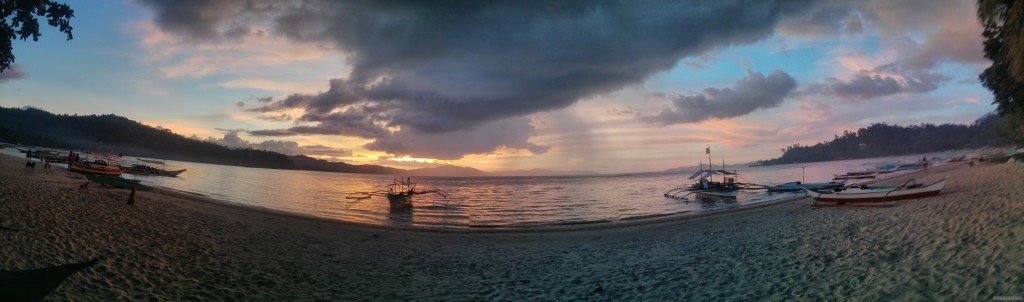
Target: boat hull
(797,186)
(875,196)
(400,200)
(725,194)
(95,170)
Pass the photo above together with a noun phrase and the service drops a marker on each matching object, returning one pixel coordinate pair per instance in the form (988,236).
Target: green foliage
(115,134)
(882,139)
(1002,29)
(18,20)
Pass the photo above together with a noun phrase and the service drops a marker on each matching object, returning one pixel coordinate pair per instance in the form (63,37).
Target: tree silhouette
(23,23)
(1004,45)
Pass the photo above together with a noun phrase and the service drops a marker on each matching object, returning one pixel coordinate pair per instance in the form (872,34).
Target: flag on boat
(707,150)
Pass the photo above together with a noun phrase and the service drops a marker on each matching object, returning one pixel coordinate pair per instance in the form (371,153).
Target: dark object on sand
(131,197)
(35,284)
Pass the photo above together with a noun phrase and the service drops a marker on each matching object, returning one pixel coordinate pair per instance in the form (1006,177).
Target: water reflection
(481,202)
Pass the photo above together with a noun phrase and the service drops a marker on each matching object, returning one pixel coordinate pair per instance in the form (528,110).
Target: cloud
(510,133)
(439,69)
(14,73)
(884,80)
(909,65)
(231,139)
(357,122)
(755,91)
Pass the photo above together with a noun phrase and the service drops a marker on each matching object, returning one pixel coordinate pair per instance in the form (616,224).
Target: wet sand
(966,244)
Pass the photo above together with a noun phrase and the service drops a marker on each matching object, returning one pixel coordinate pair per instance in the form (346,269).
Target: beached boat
(139,169)
(798,186)
(849,176)
(866,196)
(152,161)
(94,168)
(119,182)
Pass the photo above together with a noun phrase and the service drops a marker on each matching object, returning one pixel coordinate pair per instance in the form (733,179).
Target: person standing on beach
(924,161)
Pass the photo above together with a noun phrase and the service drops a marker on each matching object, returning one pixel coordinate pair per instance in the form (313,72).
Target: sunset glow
(622,102)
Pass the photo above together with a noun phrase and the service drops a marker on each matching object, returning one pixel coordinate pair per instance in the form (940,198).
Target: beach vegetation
(1002,25)
(882,139)
(19,20)
(115,134)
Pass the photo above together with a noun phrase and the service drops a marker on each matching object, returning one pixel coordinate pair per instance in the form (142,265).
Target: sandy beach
(966,244)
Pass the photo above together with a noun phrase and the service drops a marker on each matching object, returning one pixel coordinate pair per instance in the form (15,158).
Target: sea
(489,202)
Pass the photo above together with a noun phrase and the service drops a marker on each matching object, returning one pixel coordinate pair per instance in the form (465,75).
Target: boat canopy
(707,173)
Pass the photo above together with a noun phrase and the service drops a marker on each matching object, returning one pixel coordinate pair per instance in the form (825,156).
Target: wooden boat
(399,194)
(119,182)
(798,186)
(866,196)
(152,161)
(94,168)
(149,170)
(728,188)
(855,176)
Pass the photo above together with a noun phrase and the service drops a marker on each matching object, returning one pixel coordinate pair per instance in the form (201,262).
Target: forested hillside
(115,134)
(882,139)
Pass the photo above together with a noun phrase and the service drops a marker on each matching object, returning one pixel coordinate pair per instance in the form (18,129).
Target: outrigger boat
(139,169)
(863,196)
(399,194)
(95,169)
(101,164)
(705,186)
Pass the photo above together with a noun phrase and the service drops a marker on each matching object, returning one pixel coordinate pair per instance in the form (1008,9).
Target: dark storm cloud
(444,67)
(511,133)
(755,91)
(357,122)
(233,140)
(14,73)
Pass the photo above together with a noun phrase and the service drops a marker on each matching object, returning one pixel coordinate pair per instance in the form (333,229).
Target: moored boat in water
(139,169)
(400,194)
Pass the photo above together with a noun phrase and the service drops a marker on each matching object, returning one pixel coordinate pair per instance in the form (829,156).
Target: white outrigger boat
(705,186)
(875,197)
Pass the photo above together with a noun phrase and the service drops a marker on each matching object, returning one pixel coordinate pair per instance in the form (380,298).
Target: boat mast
(710,168)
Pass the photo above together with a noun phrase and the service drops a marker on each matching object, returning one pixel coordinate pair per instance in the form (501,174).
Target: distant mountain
(308,163)
(541,172)
(115,134)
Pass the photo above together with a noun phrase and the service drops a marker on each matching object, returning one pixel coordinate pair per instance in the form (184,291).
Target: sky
(602,86)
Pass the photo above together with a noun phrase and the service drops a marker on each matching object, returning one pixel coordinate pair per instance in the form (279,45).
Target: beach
(966,244)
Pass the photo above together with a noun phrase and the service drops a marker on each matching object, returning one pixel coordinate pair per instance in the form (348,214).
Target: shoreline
(964,245)
(584,226)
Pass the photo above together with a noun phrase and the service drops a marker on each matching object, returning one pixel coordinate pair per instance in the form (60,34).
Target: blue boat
(798,186)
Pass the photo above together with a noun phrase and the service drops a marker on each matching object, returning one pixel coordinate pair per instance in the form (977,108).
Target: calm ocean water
(489,202)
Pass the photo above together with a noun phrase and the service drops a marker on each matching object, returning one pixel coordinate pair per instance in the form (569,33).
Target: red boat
(96,169)
(861,197)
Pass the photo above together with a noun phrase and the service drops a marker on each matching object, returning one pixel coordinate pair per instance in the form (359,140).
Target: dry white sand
(966,244)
